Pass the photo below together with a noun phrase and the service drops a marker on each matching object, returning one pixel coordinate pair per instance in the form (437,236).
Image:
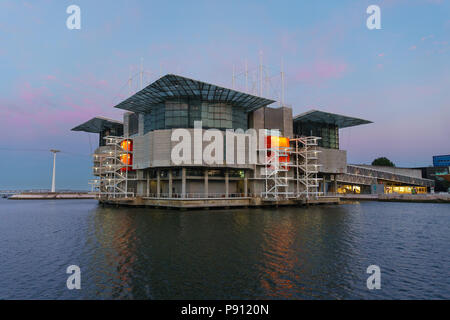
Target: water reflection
(287,253)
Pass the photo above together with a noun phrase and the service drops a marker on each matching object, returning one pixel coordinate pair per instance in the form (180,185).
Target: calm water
(286,253)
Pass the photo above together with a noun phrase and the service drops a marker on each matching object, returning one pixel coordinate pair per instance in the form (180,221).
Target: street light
(54,167)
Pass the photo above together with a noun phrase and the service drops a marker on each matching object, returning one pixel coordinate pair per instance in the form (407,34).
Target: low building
(261,154)
(441,161)
(439,173)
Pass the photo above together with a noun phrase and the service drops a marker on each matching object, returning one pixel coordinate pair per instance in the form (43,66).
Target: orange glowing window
(280,143)
(127,145)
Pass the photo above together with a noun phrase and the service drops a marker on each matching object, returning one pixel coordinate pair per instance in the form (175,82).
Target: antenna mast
(260,73)
(233,79)
(246,76)
(282,83)
(142,73)
(130,80)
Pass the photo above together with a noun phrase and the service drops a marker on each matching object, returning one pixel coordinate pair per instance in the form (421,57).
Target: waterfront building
(441,161)
(298,158)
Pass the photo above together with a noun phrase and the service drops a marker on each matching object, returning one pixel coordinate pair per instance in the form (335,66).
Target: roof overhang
(338,120)
(174,86)
(98,124)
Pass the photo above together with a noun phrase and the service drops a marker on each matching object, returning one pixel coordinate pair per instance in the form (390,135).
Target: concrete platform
(433,198)
(51,196)
(179,203)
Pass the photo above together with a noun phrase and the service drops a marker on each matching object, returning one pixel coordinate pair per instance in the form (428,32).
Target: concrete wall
(273,118)
(154,150)
(256,119)
(332,160)
(417,173)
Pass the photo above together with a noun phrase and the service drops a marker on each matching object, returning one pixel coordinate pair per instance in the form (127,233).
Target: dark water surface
(319,252)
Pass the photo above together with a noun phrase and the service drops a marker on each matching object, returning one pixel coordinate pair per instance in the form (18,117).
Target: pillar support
(227,182)
(335,184)
(183,182)
(158,183)
(170,183)
(206,184)
(245,183)
(148,183)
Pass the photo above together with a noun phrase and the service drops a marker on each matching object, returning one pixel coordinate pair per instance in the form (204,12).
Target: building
(441,161)
(439,173)
(287,159)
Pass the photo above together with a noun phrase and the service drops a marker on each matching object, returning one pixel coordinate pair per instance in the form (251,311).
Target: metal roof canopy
(97,125)
(174,86)
(330,118)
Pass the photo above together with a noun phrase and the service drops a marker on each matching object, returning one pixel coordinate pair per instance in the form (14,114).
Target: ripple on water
(286,253)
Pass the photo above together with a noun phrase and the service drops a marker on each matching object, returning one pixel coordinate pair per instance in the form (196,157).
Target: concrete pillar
(148,183)
(206,184)
(245,183)
(170,183)
(140,124)
(158,183)
(227,178)
(335,184)
(183,182)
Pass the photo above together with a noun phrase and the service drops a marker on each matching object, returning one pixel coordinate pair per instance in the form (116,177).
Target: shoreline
(416,198)
(52,196)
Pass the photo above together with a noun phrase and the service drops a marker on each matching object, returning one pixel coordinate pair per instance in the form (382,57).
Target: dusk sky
(53,78)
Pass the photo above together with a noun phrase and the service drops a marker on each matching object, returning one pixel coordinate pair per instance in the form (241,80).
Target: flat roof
(174,86)
(330,118)
(97,125)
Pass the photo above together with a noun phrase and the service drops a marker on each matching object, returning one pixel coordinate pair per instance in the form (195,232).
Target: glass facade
(182,113)
(441,161)
(116,131)
(328,132)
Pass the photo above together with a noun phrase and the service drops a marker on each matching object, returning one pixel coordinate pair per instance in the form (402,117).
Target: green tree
(383,161)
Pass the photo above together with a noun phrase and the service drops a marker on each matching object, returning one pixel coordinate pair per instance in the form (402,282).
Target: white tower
(54,167)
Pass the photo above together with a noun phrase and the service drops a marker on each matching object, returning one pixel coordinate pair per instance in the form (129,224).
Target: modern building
(262,154)
(441,161)
(439,173)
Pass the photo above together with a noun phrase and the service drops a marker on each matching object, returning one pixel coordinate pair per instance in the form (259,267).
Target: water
(320,252)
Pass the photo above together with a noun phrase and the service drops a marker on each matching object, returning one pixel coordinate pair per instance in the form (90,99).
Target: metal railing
(197,196)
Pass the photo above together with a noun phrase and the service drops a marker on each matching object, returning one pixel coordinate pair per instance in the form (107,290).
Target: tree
(383,161)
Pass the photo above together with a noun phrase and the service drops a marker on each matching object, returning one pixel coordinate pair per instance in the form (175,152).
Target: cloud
(427,37)
(48,108)
(320,71)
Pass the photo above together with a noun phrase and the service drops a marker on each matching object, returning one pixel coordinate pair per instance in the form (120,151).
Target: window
(328,132)
(182,113)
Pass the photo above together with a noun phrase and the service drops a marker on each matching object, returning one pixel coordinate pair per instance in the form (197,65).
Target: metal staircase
(275,171)
(307,166)
(112,170)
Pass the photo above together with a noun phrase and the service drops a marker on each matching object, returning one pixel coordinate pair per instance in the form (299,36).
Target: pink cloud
(381,54)
(50,77)
(427,37)
(413,47)
(320,71)
(34,112)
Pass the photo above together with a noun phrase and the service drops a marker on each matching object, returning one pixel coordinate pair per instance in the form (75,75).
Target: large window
(328,132)
(177,114)
(182,113)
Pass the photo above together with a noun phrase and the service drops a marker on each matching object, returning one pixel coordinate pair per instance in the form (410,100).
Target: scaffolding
(306,166)
(302,157)
(276,169)
(112,166)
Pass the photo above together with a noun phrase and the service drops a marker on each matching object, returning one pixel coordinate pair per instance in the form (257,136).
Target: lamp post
(54,168)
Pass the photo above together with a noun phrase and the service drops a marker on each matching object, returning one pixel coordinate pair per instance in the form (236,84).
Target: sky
(53,78)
